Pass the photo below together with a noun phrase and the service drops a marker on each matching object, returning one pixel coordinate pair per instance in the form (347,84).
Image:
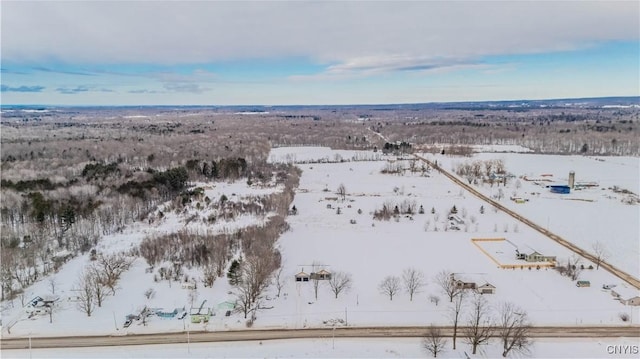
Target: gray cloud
(13,72)
(64,72)
(72,91)
(397,63)
(325,32)
(6,88)
(82,89)
(143,91)
(185,87)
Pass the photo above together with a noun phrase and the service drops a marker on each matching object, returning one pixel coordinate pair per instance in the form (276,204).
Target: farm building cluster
(523,256)
(467,281)
(546,180)
(322,274)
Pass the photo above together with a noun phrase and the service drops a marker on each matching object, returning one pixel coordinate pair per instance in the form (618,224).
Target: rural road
(270,334)
(607,266)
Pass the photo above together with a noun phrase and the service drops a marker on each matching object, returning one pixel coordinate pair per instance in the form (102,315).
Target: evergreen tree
(234,275)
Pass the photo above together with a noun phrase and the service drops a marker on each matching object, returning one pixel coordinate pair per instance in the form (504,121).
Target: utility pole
(188,341)
(346,321)
(333,341)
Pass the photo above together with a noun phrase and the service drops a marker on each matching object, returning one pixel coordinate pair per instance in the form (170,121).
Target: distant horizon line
(636,97)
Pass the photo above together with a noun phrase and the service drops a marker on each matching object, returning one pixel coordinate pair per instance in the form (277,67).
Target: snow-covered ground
(370,250)
(583,217)
(338,348)
(501,148)
(319,154)
(130,297)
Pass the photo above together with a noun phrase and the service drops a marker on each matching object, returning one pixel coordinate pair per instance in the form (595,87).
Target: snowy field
(340,348)
(319,154)
(369,250)
(583,217)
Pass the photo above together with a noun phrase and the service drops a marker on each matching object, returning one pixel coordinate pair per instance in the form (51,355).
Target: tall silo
(572,179)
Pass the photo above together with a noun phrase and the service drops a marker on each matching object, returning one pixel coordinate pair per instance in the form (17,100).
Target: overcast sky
(315,52)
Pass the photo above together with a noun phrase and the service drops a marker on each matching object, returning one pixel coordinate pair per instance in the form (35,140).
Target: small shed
(487,289)
(302,277)
(562,189)
(200,315)
(166,314)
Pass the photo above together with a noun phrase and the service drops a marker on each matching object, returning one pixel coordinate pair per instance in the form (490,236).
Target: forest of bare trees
(68,181)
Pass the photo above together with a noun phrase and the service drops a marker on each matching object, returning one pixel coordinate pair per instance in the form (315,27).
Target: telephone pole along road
(614,270)
(282,334)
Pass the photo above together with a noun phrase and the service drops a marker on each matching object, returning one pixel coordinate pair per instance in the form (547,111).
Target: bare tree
(193,296)
(98,282)
(479,327)
(50,308)
(445,280)
(255,272)
(149,293)
(53,284)
(390,285)
(413,280)
(600,252)
(279,281)
(111,267)
(454,313)
(434,341)
(86,296)
(210,274)
(342,191)
(434,299)
(315,280)
(340,281)
(513,329)
(573,267)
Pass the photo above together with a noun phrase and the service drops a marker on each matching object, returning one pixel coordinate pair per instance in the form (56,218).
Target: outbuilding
(561,189)
(487,289)
(302,277)
(321,275)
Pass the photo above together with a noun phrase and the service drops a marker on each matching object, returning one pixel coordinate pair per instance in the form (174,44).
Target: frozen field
(583,217)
